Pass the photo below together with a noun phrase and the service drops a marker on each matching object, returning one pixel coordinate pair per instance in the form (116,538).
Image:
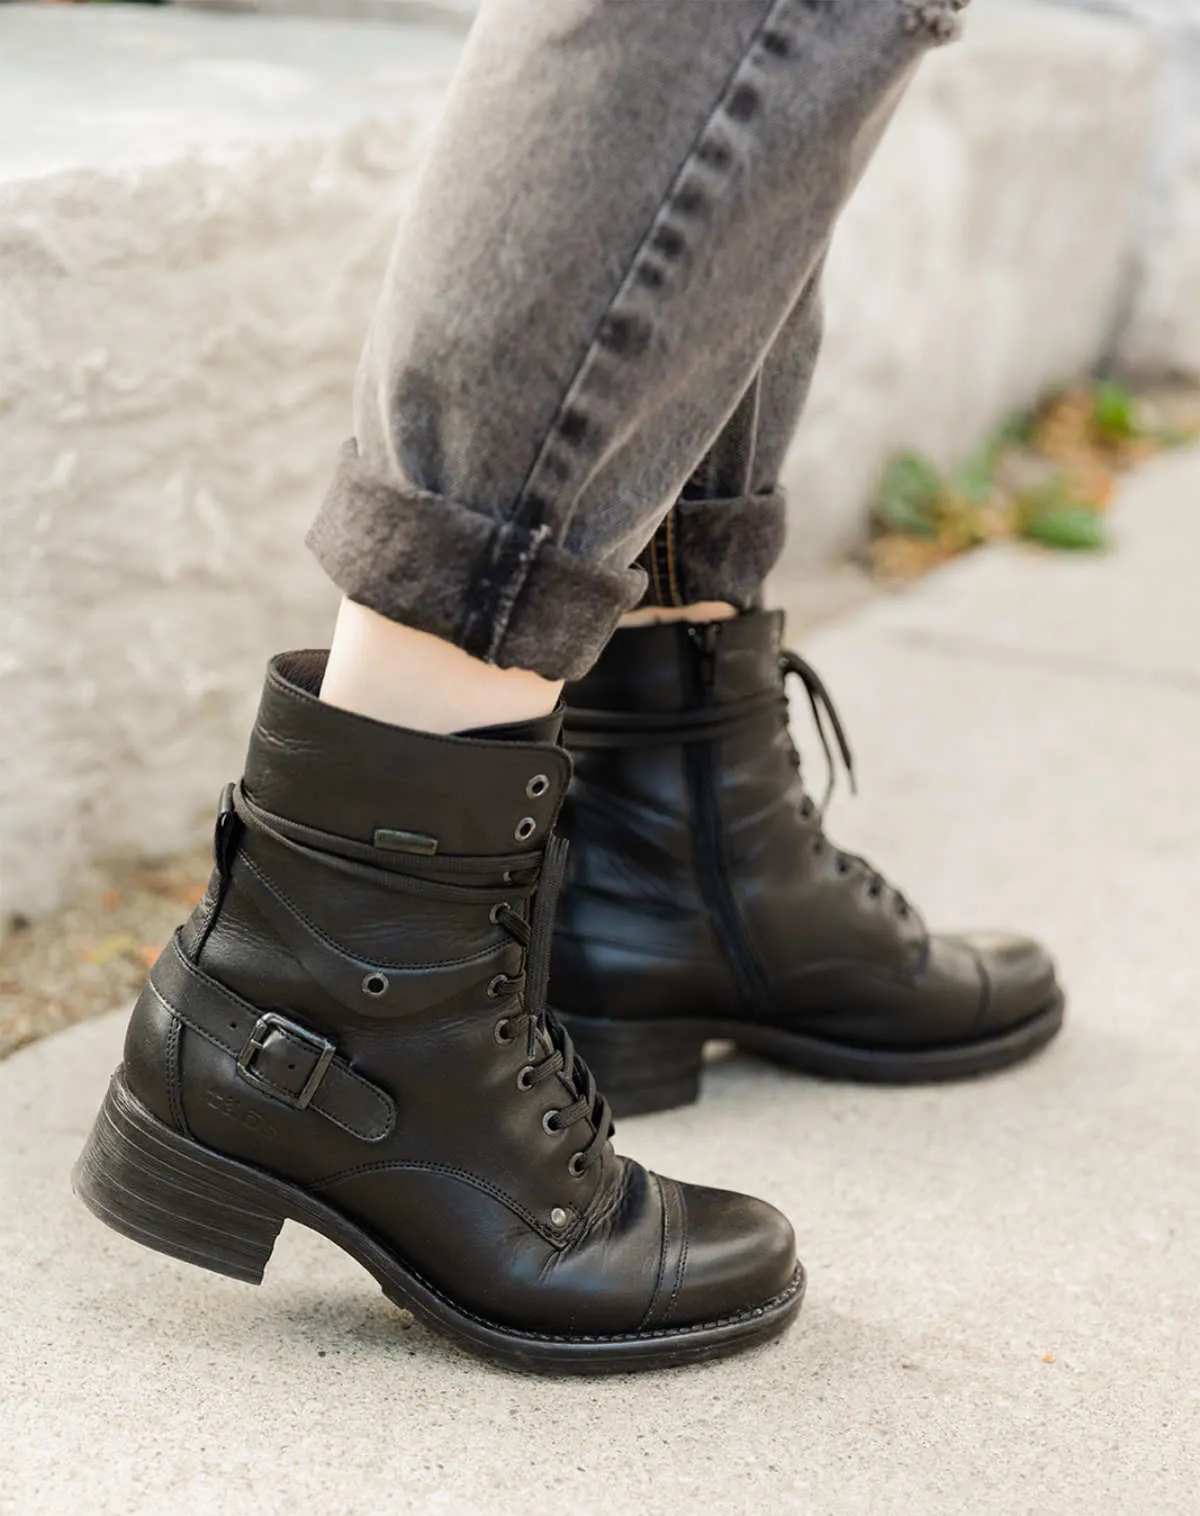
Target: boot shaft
(700,874)
(369,928)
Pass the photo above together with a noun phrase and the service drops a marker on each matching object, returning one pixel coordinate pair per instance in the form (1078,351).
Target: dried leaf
(108,948)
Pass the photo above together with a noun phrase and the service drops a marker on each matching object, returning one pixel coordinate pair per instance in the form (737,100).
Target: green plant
(1051,514)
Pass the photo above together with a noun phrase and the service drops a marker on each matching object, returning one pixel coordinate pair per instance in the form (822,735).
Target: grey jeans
(602,313)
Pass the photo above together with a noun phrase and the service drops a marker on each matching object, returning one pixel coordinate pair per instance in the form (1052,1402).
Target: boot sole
(172,1194)
(646,1066)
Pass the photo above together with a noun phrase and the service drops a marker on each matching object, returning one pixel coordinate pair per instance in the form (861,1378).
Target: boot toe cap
(1019,974)
(736,1253)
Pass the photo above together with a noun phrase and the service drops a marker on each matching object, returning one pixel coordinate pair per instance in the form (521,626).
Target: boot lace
(549,1049)
(829,726)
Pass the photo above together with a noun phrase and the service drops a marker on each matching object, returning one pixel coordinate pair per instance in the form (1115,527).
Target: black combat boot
(703,899)
(350,1032)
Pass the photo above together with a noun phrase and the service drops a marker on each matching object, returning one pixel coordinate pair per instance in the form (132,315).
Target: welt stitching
(729,94)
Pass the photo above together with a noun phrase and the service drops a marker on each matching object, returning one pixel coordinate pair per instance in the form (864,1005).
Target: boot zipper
(713,876)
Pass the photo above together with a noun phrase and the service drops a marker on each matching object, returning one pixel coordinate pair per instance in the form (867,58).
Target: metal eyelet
(537,786)
(550,1124)
(576,1166)
(502,1032)
(497,911)
(375,984)
(496,986)
(525,1080)
(525,829)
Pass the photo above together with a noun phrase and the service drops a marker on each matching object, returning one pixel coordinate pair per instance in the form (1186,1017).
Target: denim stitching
(937,17)
(699,181)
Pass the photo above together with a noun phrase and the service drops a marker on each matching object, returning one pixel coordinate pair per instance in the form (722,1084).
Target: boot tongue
(338,772)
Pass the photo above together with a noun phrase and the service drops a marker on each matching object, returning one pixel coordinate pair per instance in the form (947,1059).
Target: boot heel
(639,1066)
(166,1191)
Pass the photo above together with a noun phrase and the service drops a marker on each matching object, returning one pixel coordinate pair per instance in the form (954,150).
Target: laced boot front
(351,1032)
(704,899)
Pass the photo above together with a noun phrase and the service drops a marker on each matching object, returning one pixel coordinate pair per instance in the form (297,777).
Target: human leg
(351,1029)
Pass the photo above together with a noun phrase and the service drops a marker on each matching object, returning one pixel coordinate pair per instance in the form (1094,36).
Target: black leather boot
(703,899)
(350,1032)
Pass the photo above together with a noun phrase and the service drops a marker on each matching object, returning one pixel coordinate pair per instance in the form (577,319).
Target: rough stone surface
(1003,1307)
(1159,329)
(191,237)
(983,258)
(194,215)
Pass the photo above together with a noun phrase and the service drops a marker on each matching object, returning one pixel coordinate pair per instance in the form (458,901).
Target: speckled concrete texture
(1003,1309)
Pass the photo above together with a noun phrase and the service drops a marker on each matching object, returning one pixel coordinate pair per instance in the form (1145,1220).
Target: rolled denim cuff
(503,592)
(716,550)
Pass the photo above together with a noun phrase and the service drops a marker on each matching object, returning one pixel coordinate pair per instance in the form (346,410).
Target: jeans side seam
(663,245)
(510,557)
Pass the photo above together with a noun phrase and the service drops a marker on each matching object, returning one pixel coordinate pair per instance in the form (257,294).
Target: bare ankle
(394,673)
(701,610)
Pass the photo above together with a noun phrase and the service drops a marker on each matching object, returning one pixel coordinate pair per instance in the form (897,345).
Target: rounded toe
(1020,976)
(738,1253)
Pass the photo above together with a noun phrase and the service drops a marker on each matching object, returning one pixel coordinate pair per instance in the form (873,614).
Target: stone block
(982,259)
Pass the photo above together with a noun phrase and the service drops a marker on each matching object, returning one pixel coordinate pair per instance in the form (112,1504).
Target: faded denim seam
(627,335)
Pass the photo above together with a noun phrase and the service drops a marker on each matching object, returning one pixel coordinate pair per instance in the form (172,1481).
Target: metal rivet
(558,1217)
(375,985)
(525,829)
(537,786)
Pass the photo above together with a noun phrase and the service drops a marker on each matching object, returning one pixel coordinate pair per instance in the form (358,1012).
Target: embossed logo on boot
(225,1106)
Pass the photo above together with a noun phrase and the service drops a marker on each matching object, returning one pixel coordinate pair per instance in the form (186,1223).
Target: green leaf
(909,495)
(1068,526)
(976,478)
(1114,412)
(1018,430)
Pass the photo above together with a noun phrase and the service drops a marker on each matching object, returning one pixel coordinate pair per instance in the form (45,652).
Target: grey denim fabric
(602,312)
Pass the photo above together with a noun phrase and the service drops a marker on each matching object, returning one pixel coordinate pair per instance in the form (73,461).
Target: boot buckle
(256,1043)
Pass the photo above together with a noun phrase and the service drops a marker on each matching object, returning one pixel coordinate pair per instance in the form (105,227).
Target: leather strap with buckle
(273,1054)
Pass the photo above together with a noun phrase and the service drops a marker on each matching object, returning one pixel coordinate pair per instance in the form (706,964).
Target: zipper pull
(224,833)
(704,642)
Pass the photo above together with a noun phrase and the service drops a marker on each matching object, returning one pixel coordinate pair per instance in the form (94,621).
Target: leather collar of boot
(675,665)
(345,774)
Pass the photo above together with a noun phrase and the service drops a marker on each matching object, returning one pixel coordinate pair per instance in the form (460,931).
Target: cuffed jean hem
(502,592)
(716,550)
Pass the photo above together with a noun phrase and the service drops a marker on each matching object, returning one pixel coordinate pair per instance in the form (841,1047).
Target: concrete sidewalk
(1003,1308)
